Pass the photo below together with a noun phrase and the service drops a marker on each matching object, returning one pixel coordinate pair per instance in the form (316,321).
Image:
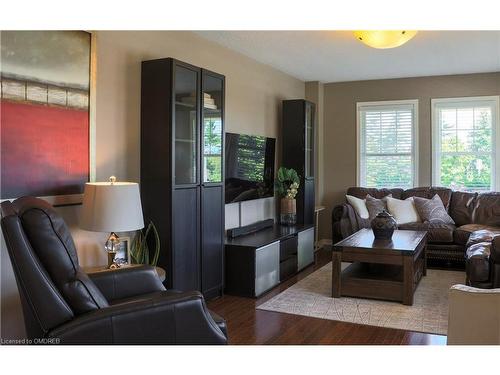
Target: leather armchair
(125,306)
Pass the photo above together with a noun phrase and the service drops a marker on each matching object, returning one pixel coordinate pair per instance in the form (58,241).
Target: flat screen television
(249,167)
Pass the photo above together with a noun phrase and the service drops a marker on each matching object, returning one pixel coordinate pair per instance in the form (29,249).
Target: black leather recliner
(124,306)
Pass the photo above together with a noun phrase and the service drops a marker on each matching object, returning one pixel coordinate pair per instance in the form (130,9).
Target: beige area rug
(312,297)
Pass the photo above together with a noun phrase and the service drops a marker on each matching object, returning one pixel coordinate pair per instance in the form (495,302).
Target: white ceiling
(335,56)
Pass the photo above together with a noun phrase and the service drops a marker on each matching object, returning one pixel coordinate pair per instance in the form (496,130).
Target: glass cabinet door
(212,128)
(309,152)
(186,129)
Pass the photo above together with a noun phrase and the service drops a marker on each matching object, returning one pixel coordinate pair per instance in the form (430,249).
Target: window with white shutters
(387,151)
(466,143)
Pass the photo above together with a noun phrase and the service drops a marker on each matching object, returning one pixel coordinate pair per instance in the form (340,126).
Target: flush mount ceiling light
(384,38)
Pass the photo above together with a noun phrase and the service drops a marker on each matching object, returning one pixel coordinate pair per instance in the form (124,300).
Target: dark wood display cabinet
(298,152)
(182,171)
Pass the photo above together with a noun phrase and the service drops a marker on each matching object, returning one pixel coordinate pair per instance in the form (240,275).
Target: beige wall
(254,93)
(340,123)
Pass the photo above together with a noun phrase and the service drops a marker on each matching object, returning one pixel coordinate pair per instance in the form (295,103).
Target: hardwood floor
(246,325)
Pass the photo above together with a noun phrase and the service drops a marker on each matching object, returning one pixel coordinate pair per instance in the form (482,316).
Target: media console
(259,261)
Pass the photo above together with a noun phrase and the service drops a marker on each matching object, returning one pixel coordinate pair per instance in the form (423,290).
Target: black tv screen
(249,167)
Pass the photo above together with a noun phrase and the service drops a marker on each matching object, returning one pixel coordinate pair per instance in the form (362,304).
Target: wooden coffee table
(380,269)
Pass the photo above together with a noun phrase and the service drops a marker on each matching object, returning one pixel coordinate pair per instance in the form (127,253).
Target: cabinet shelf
(186,105)
(211,110)
(192,106)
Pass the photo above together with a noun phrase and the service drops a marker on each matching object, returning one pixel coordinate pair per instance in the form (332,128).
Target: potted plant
(141,252)
(287,186)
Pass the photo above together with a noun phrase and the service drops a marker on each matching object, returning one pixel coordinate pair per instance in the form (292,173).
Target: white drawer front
(305,251)
(267,267)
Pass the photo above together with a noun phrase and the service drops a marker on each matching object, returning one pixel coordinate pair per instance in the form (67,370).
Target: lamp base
(111,246)
(111,260)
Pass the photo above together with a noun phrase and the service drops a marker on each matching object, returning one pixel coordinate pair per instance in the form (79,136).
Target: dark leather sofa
(483,259)
(124,306)
(473,239)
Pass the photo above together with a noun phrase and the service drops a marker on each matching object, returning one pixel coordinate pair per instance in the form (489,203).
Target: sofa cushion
(462,233)
(432,210)
(359,205)
(375,206)
(436,232)
(404,211)
(362,192)
(487,209)
(429,192)
(483,235)
(414,226)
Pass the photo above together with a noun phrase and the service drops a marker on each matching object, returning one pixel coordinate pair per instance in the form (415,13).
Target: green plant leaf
(286,177)
(154,262)
(140,251)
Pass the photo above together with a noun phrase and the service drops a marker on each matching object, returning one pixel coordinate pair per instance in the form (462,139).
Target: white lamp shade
(112,207)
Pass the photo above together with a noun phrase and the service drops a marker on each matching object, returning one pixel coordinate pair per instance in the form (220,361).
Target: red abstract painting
(45,150)
(44,114)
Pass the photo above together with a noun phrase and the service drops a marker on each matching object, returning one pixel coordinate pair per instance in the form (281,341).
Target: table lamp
(112,207)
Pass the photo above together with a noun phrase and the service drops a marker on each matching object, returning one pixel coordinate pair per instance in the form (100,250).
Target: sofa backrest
(362,192)
(424,192)
(429,193)
(487,209)
(462,207)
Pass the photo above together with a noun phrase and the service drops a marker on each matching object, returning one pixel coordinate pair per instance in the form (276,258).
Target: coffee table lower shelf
(377,281)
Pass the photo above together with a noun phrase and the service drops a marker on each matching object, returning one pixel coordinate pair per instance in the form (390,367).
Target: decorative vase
(383,226)
(288,215)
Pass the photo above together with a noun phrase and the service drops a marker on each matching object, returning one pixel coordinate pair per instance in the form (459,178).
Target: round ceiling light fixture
(384,38)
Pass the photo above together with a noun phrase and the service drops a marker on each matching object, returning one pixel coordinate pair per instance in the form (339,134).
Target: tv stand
(259,261)
(251,228)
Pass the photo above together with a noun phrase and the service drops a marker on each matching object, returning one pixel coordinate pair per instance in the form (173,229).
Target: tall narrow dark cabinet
(182,164)
(298,152)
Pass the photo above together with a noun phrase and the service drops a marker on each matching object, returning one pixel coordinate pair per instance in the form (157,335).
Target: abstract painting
(45,121)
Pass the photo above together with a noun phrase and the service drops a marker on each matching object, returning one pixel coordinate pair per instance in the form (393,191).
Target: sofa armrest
(344,221)
(127,282)
(495,250)
(168,318)
(473,316)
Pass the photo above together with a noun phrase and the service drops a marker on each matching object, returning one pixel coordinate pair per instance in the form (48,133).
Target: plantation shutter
(464,146)
(387,145)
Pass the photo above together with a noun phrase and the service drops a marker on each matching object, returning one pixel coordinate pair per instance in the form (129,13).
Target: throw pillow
(403,211)
(376,206)
(359,206)
(432,210)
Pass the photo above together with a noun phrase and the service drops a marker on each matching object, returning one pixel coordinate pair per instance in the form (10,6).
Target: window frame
(436,134)
(415,140)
